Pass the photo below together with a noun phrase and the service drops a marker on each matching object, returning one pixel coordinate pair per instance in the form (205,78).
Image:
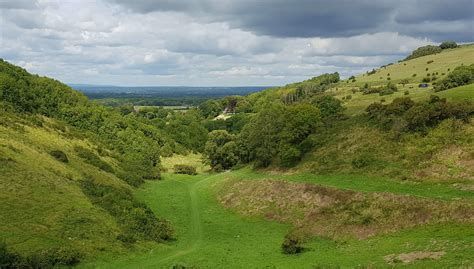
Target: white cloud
(100,42)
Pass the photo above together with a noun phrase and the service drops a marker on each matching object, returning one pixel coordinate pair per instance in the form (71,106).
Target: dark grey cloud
(435,10)
(320,18)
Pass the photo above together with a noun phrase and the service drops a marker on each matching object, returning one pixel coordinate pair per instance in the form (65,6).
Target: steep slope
(67,171)
(43,206)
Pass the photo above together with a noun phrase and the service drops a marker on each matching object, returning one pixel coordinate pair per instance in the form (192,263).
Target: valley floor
(211,236)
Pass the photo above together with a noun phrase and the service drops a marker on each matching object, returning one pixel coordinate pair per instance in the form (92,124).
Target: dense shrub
(461,75)
(221,150)
(184,169)
(418,116)
(362,161)
(423,51)
(448,45)
(292,244)
(59,155)
(136,220)
(49,258)
(328,106)
(277,128)
(390,88)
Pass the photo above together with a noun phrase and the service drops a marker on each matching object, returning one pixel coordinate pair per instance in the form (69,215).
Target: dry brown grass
(413,256)
(330,212)
(451,162)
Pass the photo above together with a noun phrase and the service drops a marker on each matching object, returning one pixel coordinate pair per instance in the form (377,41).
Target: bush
(184,169)
(292,244)
(448,45)
(289,155)
(136,220)
(461,75)
(48,258)
(166,151)
(418,116)
(59,155)
(423,51)
(362,161)
(7,258)
(389,89)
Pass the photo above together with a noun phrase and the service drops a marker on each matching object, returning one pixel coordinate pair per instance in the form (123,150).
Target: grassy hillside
(411,73)
(441,63)
(43,206)
(67,173)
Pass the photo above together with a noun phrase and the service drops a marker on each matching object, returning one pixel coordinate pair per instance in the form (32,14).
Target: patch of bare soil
(413,256)
(317,210)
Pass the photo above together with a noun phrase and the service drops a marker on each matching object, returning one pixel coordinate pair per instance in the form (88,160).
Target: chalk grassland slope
(67,167)
(442,63)
(43,205)
(438,65)
(412,71)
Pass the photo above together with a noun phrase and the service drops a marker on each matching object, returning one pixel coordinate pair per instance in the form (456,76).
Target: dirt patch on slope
(331,212)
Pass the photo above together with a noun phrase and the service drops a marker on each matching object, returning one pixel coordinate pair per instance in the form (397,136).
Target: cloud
(319,18)
(217,42)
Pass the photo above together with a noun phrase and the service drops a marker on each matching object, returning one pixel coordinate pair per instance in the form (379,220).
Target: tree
(328,106)
(448,45)
(221,150)
(423,51)
(277,133)
(211,108)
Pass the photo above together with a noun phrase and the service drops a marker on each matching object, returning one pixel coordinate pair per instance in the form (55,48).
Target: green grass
(465,92)
(209,236)
(192,159)
(42,205)
(362,183)
(448,59)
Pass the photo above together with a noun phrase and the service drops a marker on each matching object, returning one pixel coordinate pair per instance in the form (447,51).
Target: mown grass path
(196,234)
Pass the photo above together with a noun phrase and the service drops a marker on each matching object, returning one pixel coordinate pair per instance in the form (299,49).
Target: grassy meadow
(212,236)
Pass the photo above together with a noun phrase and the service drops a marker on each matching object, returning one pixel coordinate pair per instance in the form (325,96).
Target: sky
(220,42)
